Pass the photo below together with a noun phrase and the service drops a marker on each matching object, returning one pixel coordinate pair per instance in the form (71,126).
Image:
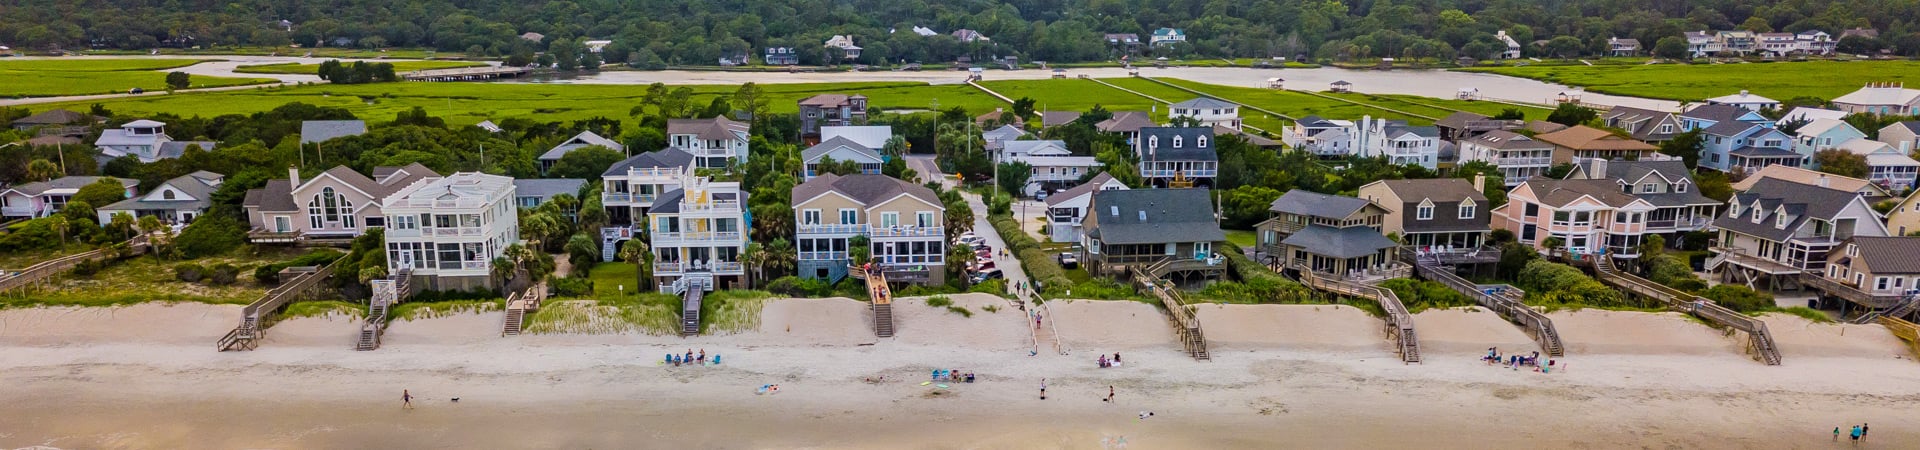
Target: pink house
(43,198)
(1587,215)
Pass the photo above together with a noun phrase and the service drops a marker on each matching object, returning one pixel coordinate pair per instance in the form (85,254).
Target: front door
(406,260)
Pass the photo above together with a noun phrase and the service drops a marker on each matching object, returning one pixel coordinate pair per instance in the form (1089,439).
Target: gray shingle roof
(1457,120)
(312,131)
(1172,215)
(193,185)
(1729,128)
(669,157)
(276,196)
(56,116)
(712,129)
(1559,193)
(1205,103)
(173,149)
(1349,242)
(1436,189)
(1508,140)
(1889,255)
(585,138)
(67,182)
(814,152)
(864,188)
(1076,191)
(1763,152)
(1190,150)
(546,188)
(1717,113)
(1803,201)
(1126,122)
(1058,118)
(1316,204)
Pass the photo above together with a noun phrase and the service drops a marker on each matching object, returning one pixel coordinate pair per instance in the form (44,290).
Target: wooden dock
(468,73)
(40,273)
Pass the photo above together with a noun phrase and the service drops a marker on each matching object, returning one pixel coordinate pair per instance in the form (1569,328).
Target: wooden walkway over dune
(40,273)
(254,318)
(1399,322)
(1759,340)
(1506,302)
(881,299)
(1184,324)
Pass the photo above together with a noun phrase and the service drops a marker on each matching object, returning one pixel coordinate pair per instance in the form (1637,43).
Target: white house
(629,187)
(1168,36)
(712,141)
(1321,137)
(844,43)
(178,200)
(1745,100)
(1702,43)
(1209,111)
(1814,42)
(448,230)
(1887,167)
(698,233)
(1055,172)
(144,139)
(1809,114)
(1512,50)
(840,150)
(995,138)
(1518,156)
(1017,150)
(1066,209)
(872,136)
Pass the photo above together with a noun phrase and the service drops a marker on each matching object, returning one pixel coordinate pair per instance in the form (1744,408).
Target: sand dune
(1107,326)
(157,323)
(918,324)
(1326,328)
(1593,331)
(1801,338)
(1468,331)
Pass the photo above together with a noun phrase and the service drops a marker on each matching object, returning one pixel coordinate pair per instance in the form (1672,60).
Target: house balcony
(893,262)
(626,199)
(711,207)
(652,175)
(823,256)
(1853,293)
(453,232)
(897,232)
(667,239)
(460,203)
(1190,173)
(698,267)
(1546,161)
(835,229)
(1693,224)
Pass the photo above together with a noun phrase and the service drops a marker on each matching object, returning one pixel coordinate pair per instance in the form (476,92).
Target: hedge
(1040,265)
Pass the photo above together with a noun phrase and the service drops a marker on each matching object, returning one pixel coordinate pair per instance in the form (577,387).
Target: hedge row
(1039,265)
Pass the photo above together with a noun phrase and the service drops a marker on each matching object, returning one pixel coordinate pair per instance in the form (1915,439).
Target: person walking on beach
(1856,435)
(1043,390)
(406,399)
(1836,434)
(1109,393)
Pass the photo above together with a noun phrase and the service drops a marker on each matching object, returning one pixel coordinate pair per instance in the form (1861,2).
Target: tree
(179,80)
(1564,47)
(585,162)
(1841,162)
(1023,107)
(1859,45)
(636,251)
(895,146)
(210,235)
(750,99)
(1685,146)
(582,250)
(1571,114)
(1670,47)
(590,61)
(42,170)
(1013,176)
(60,226)
(1757,24)
(106,191)
(1510,114)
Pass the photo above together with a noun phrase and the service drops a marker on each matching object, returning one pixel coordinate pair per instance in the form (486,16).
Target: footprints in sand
(1268,406)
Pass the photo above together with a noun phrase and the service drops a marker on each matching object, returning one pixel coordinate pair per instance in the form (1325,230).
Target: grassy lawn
(1070,95)
(310,69)
(465,103)
(146,278)
(1241,238)
(46,78)
(1693,82)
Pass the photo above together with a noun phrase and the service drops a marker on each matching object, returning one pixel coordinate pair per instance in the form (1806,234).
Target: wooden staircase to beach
(519,304)
(1184,324)
(1759,341)
(254,316)
(690,309)
(882,299)
(1536,324)
(1399,322)
(386,293)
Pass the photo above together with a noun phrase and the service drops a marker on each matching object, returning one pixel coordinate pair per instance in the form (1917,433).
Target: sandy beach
(147,376)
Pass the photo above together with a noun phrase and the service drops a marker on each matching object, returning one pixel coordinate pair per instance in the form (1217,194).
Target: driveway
(1008,265)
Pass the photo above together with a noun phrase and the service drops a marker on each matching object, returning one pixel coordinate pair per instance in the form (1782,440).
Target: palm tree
(60,226)
(755,256)
(42,170)
(780,258)
(635,251)
(122,223)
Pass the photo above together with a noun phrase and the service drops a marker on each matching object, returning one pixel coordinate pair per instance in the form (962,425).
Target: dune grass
(431,310)
(48,78)
(1694,82)
(149,279)
(314,68)
(732,311)
(322,308)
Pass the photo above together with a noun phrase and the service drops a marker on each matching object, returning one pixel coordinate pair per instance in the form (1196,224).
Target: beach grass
(1694,82)
(610,310)
(444,308)
(150,279)
(323,308)
(314,68)
(48,78)
(1814,315)
(732,311)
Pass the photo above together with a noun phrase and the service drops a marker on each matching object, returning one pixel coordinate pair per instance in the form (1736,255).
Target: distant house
(1737,41)
(1436,212)
(578,141)
(1463,125)
(1400,143)
(1511,49)
(1888,167)
(1168,36)
(43,198)
(844,44)
(966,35)
(830,110)
(1643,125)
(1020,150)
(1066,209)
(1869,33)
(1209,111)
(924,31)
(1125,42)
(871,136)
(64,122)
(143,139)
(533,37)
(781,56)
(1050,119)
(840,150)
(905,225)
(1809,114)
(530,193)
(715,141)
(1321,137)
(1518,156)
(1340,86)
(1778,44)
(1127,123)
(1166,233)
(1814,42)
(314,131)
(488,125)
(1745,100)
(990,117)
(1329,234)
(998,137)
(1177,157)
(1706,116)
(1623,46)
(1823,134)
(178,200)
(1054,172)
(332,207)
(1886,99)
(596,46)
(1903,136)
(1701,43)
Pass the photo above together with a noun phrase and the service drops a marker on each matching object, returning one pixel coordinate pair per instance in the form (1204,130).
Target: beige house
(1904,219)
(903,223)
(330,208)
(1813,178)
(1873,274)
(1589,142)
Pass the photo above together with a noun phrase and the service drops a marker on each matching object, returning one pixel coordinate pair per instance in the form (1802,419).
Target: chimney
(1597,169)
(293,173)
(1823,181)
(1743,92)
(1480,182)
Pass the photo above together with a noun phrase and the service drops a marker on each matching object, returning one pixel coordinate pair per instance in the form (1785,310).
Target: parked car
(989,274)
(1069,260)
(978,266)
(982,246)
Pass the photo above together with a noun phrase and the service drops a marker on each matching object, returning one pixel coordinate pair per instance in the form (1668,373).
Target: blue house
(1168,36)
(1822,134)
(1737,146)
(1706,116)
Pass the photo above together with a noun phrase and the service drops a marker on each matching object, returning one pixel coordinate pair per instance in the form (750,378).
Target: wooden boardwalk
(519,304)
(1537,325)
(1759,340)
(386,293)
(467,73)
(1184,324)
(39,273)
(881,298)
(1399,322)
(253,318)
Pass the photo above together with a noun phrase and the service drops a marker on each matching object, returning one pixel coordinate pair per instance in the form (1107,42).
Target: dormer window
(1680,187)
(1666,129)
(1467,209)
(1200,142)
(1853,250)
(1649,188)
(1757,215)
(1425,211)
(1176,142)
(1780,221)
(1153,142)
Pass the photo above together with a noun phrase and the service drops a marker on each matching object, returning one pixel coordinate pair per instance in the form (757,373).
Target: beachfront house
(1067,209)
(1875,273)
(1623,46)
(1177,156)
(1518,156)
(43,198)
(1464,125)
(447,230)
(1679,207)
(1209,111)
(329,209)
(1167,36)
(1746,100)
(1701,43)
(530,193)
(697,231)
(714,142)
(1448,213)
(1123,42)
(1588,142)
(1736,146)
(1643,125)
(1334,235)
(316,131)
(178,200)
(143,139)
(1511,48)
(58,121)
(1903,136)
(842,45)
(827,110)
(578,141)
(629,187)
(1886,99)
(969,36)
(1158,233)
(1873,192)
(1777,229)
(1575,215)
(1886,166)
(903,223)
(780,56)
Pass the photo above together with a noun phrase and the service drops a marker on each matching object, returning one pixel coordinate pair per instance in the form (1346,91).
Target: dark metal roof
(1801,201)
(1349,242)
(1889,255)
(1717,113)
(1170,215)
(546,188)
(669,157)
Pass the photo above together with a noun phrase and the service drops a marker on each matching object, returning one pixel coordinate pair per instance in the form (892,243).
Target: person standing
(406,399)
(1043,389)
(1855,434)
(1836,434)
(1109,393)
(1863,431)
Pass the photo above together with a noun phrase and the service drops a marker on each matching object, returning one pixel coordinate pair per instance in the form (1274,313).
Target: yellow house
(903,223)
(1904,219)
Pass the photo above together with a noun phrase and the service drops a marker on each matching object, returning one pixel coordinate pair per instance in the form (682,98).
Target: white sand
(918,324)
(333,329)
(1468,331)
(95,379)
(1800,338)
(1320,328)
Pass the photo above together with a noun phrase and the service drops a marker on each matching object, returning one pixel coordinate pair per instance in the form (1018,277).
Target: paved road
(1008,265)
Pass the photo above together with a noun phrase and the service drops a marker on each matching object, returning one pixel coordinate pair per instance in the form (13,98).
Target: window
(1425,211)
(1200,142)
(1680,187)
(1733,210)
(1880,283)
(1666,129)
(1468,209)
(810,217)
(1780,221)
(1176,141)
(888,219)
(923,219)
(1582,218)
(1853,250)
(1153,142)
(166,194)
(1649,188)
(849,216)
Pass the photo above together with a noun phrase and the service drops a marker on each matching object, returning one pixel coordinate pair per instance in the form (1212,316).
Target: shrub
(570,287)
(994,286)
(267,274)
(222,274)
(788,286)
(991,308)
(210,235)
(86,269)
(1419,295)
(1554,283)
(960,310)
(939,301)
(189,272)
(1739,298)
